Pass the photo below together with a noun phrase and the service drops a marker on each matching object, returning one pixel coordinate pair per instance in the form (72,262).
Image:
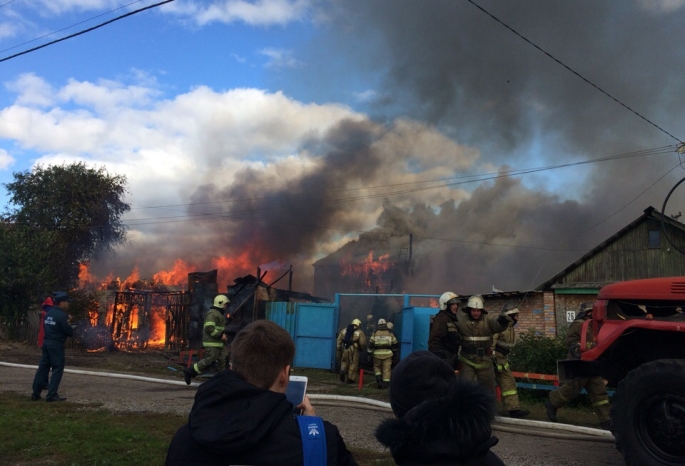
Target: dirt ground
(356,425)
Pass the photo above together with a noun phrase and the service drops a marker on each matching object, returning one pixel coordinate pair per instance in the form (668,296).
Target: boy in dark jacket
(441,419)
(241,415)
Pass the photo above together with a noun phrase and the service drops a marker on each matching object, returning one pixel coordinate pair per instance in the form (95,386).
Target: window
(654,239)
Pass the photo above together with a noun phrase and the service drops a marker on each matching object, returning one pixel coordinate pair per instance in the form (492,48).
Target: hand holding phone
(296,391)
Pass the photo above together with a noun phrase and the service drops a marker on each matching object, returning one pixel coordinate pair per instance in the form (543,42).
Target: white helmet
(448,298)
(220,300)
(381,322)
(390,325)
(369,317)
(475,302)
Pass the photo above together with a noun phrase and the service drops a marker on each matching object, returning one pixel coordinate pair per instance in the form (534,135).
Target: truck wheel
(648,414)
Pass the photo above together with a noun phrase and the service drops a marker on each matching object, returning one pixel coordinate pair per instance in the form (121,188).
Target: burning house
(368,265)
(137,314)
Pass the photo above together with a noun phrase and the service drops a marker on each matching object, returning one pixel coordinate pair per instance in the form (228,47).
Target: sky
(274,132)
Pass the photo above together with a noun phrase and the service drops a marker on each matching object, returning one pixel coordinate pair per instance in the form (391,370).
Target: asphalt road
(356,424)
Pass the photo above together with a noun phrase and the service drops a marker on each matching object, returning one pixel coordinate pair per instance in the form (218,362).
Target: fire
(177,276)
(238,265)
(433,303)
(369,270)
(84,276)
(133,278)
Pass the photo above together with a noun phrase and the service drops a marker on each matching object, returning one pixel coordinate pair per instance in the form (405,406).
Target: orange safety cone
(190,358)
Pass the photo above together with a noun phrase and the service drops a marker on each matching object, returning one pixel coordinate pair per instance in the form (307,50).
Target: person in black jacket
(241,415)
(57,330)
(441,419)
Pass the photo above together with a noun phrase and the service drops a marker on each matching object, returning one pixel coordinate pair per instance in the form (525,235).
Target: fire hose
(515,426)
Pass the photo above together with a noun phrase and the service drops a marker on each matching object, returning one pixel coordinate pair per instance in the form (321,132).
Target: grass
(75,434)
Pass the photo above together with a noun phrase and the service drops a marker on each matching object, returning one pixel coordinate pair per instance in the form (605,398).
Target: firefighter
(351,341)
(443,339)
(503,343)
(594,386)
(396,354)
(369,326)
(383,345)
(213,339)
(476,329)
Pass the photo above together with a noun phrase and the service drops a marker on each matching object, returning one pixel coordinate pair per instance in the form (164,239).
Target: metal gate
(313,329)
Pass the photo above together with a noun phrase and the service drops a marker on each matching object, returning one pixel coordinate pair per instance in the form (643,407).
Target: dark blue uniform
(57,330)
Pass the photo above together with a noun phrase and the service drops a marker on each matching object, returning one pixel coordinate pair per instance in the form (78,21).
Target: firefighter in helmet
(369,326)
(443,339)
(594,386)
(476,329)
(213,339)
(351,341)
(503,343)
(383,345)
(396,354)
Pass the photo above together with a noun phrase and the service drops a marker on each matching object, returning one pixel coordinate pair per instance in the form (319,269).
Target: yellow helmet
(220,300)
(356,322)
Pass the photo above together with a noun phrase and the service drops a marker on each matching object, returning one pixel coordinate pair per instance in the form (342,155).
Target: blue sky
(191,99)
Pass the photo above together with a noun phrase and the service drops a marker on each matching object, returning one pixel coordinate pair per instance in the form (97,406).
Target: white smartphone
(297,389)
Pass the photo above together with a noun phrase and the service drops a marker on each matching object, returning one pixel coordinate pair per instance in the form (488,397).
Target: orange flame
(178,275)
(84,276)
(368,270)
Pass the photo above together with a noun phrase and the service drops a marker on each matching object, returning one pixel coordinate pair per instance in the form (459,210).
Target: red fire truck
(639,347)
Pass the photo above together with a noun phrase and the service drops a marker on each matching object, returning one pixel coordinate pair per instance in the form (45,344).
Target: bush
(537,354)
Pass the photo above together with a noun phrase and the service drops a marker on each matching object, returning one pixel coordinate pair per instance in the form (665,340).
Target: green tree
(63,215)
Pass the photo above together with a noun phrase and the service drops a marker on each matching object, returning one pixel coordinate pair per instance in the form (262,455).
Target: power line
(131,13)
(572,70)
(7,3)
(68,27)
(468,179)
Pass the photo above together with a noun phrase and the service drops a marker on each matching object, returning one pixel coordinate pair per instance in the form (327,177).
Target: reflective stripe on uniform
(509,393)
(600,403)
(476,338)
(473,364)
(211,344)
(382,352)
(501,367)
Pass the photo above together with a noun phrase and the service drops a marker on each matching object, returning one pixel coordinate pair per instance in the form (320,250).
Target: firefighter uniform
(443,339)
(382,345)
(594,386)
(369,326)
(476,342)
(212,342)
(502,344)
(213,337)
(351,341)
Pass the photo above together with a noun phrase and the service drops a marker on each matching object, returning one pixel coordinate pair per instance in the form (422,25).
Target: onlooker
(241,415)
(41,327)
(213,340)
(351,342)
(383,345)
(57,330)
(441,419)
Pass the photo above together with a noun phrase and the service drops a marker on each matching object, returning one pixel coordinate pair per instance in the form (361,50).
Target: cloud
(365,96)
(255,13)
(279,58)
(6,160)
